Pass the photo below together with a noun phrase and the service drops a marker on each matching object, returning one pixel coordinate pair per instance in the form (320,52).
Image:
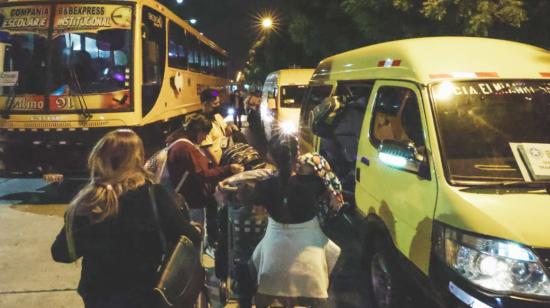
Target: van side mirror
(404,157)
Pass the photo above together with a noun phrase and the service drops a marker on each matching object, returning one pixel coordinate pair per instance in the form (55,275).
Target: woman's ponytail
(283,150)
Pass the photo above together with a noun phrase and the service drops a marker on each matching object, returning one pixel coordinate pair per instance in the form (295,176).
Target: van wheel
(384,280)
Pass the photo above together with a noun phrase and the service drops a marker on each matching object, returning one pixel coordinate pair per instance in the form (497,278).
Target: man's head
(197,126)
(210,100)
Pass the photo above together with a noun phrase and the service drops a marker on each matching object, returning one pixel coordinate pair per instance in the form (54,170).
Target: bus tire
(384,279)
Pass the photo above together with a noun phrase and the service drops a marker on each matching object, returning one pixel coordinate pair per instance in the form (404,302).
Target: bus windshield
(81,52)
(477,121)
(291,96)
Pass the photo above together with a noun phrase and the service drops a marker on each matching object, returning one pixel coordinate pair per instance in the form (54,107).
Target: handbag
(181,275)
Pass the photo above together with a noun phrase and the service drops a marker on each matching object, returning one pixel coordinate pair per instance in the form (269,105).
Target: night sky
(229,23)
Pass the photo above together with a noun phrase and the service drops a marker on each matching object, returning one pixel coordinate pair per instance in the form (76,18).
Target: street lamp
(193,21)
(267,23)
(179,1)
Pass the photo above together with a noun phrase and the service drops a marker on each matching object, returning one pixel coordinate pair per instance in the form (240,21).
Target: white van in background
(281,98)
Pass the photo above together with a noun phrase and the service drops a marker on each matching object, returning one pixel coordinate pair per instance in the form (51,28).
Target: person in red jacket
(185,156)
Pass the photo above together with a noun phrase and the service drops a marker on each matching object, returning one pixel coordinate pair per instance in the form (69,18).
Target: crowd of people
(111,226)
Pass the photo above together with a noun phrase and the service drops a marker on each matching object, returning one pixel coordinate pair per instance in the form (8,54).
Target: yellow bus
(72,70)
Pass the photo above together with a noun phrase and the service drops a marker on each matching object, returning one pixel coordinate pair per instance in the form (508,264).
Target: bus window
(194,58)
(205,58)
(153,56)
(177,55)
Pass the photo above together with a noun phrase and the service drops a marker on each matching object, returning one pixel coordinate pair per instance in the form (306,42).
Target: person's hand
(336,203)
(259,211)
(233,128)
(223,186)
(236,168)
(228,130)
(198,226)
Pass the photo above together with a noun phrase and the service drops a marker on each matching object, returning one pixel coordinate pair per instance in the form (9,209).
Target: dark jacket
(120,254)
(184,156)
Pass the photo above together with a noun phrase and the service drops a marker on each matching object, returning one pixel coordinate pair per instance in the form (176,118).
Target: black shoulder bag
(181,276)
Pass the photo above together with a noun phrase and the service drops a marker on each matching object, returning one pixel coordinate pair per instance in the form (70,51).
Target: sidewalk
(30,278)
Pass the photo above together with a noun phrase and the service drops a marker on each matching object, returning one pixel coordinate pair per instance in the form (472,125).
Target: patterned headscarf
(322,169)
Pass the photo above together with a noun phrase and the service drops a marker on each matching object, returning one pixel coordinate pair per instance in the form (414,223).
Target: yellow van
(282,96)
(443,193)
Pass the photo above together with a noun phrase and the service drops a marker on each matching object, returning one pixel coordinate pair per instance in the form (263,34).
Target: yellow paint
(407,205)
(170,103)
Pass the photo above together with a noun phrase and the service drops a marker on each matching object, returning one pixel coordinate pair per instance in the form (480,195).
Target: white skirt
(295,260)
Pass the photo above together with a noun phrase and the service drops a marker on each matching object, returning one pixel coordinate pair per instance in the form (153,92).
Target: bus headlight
(493,264)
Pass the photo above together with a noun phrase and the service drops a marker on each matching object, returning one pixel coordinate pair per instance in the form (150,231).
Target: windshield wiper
(506,184)
(75,82)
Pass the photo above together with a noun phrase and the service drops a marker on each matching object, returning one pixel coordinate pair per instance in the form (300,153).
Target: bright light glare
(444,91)
(514,251)
(193,21)
(288,128)
(230,111)
(179,1)
(267,22)
(392,160)
(488,265)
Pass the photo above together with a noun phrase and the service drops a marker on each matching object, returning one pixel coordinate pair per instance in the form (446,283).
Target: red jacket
(184,156)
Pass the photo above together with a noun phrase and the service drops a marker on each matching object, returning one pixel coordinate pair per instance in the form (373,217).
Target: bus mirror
(111,39)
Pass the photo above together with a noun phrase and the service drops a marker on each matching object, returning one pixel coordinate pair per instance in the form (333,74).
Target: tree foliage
(371,21)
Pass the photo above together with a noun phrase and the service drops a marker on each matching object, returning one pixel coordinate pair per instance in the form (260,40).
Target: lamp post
(265,23)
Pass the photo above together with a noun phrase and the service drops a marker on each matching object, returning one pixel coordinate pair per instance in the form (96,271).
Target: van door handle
(365,161)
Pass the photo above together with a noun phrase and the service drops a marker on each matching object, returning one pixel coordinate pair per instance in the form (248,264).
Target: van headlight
(497,265)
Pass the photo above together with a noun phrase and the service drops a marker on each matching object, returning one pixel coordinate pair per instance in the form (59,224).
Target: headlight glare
(493,264)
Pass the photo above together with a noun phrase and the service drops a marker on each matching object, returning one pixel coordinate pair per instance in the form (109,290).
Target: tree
(435,17)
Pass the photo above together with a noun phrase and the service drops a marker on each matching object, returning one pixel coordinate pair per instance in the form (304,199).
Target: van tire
(384,278)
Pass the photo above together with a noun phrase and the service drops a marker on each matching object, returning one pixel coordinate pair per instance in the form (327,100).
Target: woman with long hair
(111,225)
(295,258)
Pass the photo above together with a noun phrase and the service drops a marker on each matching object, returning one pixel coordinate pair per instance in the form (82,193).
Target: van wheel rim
(381,281)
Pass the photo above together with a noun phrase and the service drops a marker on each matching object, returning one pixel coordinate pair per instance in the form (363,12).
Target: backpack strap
(183,178)
(186,173)
(162,237)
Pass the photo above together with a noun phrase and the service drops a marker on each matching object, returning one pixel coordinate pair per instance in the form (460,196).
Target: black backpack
(325,115)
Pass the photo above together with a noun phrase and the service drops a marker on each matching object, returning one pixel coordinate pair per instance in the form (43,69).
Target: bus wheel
(384,281)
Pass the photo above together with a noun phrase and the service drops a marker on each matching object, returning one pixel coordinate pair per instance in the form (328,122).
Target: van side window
(396,117)
(315,95)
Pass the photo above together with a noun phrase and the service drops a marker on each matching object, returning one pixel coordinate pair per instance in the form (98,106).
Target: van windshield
(477,121)
(291,96)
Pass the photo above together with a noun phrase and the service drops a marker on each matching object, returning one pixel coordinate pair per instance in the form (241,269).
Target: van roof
(425,60)
(292,76)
